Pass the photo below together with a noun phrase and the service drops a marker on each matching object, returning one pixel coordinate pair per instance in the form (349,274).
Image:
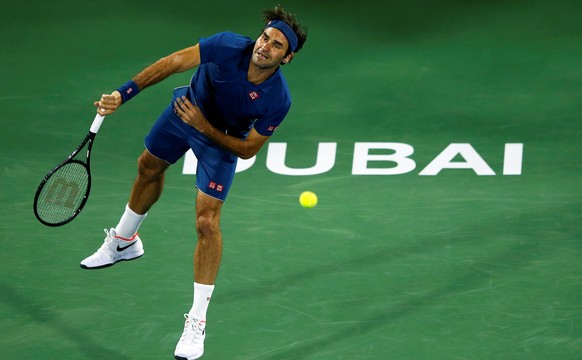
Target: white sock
(202,295)
(129,223)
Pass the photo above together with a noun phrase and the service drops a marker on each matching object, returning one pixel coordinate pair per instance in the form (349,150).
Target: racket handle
(96,123)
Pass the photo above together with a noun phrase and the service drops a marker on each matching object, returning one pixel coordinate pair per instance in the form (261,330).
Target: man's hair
(278,13)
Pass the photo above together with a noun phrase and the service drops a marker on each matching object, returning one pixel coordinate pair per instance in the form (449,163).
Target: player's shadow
(42,315)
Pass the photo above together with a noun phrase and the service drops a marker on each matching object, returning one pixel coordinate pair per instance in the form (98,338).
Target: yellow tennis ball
(308,199)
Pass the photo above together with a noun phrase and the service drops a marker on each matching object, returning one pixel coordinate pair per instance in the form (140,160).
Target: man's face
(270,49)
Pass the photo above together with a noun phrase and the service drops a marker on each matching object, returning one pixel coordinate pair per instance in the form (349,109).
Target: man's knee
(207,216)
(150,167)
(207,224)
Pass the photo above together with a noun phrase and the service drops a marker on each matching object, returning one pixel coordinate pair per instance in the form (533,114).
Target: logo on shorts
(254,95)
(215,186)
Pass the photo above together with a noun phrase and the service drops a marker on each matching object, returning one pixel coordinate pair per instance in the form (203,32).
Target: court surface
(455,265)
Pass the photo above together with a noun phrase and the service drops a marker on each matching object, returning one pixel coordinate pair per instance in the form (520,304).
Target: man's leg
(122,242)
(146,190)
(148,185)
(206,263)
(209,247)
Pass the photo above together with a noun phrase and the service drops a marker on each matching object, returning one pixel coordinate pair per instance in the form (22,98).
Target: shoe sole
(109,265)
(183,358)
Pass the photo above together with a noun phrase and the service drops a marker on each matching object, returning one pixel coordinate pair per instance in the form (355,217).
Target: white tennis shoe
(191,343)
(114,249)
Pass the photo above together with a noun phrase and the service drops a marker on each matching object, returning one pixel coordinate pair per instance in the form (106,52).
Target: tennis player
(235,101)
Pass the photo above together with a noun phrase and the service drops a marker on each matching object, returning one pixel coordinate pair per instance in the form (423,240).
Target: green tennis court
(443,141)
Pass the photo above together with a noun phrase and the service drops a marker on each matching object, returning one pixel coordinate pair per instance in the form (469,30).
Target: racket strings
(63,193)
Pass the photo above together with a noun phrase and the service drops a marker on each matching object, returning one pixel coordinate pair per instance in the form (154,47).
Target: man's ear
(288,58)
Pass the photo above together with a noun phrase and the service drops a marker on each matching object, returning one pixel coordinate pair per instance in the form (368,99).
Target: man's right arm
(177,62)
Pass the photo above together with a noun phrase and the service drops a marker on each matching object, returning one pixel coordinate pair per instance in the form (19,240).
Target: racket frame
(88,140)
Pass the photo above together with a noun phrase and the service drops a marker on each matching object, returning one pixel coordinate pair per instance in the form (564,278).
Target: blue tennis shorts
(170,138)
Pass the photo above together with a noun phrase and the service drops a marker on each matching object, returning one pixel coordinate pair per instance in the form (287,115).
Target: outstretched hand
(190,114)
(108,103)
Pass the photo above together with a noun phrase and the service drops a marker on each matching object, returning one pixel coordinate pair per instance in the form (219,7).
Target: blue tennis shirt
(226,98)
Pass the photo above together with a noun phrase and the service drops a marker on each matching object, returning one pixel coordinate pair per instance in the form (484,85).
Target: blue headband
(286,30)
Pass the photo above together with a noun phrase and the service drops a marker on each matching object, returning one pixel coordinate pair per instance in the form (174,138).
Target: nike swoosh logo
(120,249)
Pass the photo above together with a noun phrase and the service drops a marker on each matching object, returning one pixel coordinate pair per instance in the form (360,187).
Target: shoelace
(108,240)
(193,330)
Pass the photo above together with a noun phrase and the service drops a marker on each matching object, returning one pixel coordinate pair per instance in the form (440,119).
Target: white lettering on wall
(512,159)
(325,160)
(444,160)
(381,158)
(399,155)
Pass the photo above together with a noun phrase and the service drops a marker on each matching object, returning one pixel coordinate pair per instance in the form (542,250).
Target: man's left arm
(244,149)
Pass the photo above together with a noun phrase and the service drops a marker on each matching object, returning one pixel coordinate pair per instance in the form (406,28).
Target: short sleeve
(267,125)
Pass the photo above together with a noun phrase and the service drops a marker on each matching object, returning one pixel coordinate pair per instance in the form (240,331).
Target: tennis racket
(63,192)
